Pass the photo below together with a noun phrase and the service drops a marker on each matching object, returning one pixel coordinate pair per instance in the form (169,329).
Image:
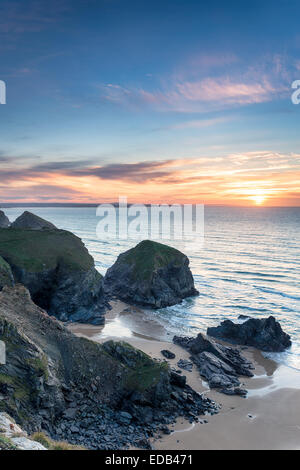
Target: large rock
(219,365)
(152,275)
(265,334)
(58,271)
(4,221)
(77,390)
(32,222)
(6,275)
(12,437)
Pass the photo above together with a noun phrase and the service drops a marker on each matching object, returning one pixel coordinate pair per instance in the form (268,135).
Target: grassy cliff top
(148,256)
(41,250)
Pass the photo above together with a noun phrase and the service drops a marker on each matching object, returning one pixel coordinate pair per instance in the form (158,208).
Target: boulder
(31,221)
(265,334)
(58,271)
(219,365)
(4,221)
(168,354)
(151,275)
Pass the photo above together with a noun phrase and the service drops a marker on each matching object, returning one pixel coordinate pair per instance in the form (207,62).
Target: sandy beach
(269,418)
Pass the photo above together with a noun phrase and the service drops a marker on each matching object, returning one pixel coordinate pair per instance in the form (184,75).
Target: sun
(258,200)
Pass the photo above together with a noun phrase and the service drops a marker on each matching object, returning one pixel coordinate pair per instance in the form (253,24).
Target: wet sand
(269,418)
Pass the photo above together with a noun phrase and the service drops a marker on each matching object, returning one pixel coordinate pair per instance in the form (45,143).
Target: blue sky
(96,85)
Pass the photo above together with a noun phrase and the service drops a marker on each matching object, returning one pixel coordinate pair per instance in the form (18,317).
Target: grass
(40,364)
(142,372)
(148,256)
(6,276)
(6,443)
(37,250)
(50,444)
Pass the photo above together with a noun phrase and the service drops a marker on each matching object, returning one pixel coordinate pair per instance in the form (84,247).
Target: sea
(247,263)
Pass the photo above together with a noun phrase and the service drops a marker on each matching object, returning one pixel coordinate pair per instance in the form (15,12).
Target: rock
(265,334)
(4,221)
(15,437)
(31,221)
(152,275)
(58,271)
(124,417)
(6,275)
(185,365)
(178,380)
(168,354)
(219,365)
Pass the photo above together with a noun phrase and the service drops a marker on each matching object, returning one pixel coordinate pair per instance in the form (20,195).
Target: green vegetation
(50,444)
(6,276)
(142,371)
(36,250)
(148,256)
(6,443)
(40,365)
(21,390)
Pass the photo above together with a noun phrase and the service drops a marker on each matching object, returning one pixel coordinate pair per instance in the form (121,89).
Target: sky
(162,102)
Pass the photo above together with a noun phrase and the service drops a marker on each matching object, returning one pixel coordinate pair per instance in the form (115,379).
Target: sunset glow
(194,119)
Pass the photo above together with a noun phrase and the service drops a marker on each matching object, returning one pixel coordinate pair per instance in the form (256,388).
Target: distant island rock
(151,275)
(32,222)
(265,334)
(56,268)
(4,221)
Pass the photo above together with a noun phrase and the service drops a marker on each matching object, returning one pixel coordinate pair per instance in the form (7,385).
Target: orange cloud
(244,179)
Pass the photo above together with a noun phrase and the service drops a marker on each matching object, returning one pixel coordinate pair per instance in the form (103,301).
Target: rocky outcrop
(58,271)
(12,437)
(6,275)
(99,396)
(265,334)
(151,275)
(219,365)
(4,221)
(32,222)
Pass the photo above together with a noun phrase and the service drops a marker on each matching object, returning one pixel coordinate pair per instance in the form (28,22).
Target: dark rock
(178,380)
(31,221)
(219,365)
(152,275)
(185,365)
(4,221)
(243,317)
(265,334)
(168,354)
(58,271)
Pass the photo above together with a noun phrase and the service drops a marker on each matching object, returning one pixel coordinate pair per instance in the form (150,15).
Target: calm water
(248,264)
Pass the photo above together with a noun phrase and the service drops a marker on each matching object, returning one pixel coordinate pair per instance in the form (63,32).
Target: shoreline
(269,418)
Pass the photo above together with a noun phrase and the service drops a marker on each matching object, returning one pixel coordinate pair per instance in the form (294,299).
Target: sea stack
(151,275)
(56,268)
(4,221)
(32,222)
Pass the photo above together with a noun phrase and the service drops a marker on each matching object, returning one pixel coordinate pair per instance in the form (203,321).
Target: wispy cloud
(191,92)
